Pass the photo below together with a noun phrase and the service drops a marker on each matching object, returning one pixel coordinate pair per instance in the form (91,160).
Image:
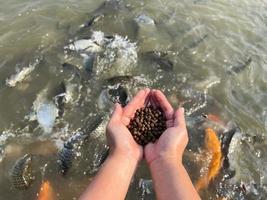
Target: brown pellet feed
(147,125)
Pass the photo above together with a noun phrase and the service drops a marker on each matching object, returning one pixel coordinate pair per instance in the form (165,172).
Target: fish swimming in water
(213,147)
(46,192)
(21,173)
(113,94)
(239,67)
(94,129)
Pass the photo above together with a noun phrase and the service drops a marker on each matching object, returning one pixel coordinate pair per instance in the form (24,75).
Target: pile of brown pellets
(147,125)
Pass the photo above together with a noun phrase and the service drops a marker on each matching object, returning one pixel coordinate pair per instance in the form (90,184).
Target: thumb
(179,119)
(117,112)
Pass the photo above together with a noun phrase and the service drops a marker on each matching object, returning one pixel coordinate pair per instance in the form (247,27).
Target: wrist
(124,156)
(165,163)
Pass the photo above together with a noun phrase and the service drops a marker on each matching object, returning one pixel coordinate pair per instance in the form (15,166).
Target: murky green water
(209,56)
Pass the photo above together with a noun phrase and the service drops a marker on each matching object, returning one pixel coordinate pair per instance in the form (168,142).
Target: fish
(19,76)
(213,147)
(99,132)
(239,67)
(88,62)
(114,94)
(59,98)
(46,114)
(196,42)
(160,59)
(146,185)
(46,192)
(74,69)
(71,148)
(21,173)
(95,18)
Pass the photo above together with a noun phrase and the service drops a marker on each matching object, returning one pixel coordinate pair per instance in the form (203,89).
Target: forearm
(171,181)
(112,180)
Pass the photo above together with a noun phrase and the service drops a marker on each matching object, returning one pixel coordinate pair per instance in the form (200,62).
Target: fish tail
(46,192)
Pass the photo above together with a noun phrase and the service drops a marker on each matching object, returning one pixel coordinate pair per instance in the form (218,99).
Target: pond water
(64,63)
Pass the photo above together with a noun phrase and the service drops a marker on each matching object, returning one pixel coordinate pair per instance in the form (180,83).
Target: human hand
(171,144)
(119,137)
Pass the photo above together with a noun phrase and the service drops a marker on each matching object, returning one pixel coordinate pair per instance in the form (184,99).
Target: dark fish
(226,140)
(75,70)
(59,98)
(93,20)
(88,62)
(21,173)
(236,69)
(196,42)
(67,154)
(119,95)
(106,8)
(72,146)
(159,58)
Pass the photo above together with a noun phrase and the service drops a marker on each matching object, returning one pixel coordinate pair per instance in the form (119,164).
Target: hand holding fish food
(174,139)
(118,135)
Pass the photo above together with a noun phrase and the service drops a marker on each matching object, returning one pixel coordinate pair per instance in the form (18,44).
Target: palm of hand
(173,140)
(119,137)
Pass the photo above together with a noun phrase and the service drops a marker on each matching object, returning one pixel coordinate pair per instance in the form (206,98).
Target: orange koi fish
(46,192)
(213,147)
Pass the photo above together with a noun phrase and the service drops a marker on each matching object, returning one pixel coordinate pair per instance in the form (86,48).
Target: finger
(117,113)
(179,119)
(137,102)
(164,104)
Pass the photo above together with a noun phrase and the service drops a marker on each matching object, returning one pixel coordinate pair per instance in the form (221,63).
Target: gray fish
(113,94)
(106,8)
(71,147)
(226,140)
(159,58)
(21,173)
(196,42)
(72,68)
(67,154)
(236,69)
(119,95)
(88,62)
(59,98)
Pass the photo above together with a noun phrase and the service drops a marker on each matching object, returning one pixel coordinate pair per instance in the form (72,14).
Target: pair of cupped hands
(170,145)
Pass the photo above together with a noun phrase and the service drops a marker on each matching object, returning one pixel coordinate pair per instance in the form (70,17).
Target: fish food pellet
(147,125)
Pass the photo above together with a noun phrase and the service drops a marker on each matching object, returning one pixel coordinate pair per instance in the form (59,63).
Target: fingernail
(182,110)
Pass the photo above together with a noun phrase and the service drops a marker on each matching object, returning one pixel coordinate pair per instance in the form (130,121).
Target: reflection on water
(63,65)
